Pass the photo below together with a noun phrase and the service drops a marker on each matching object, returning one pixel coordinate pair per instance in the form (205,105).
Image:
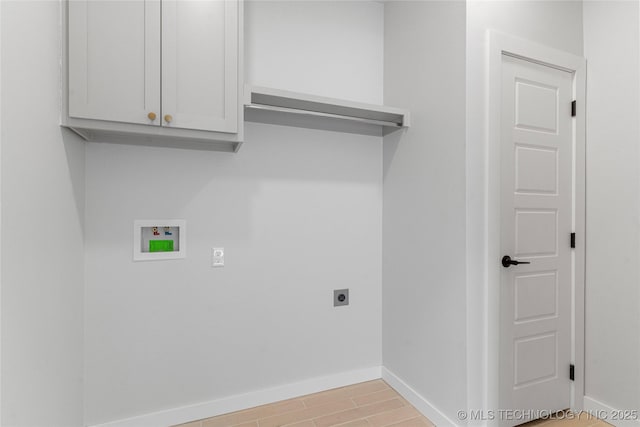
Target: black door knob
(507,261)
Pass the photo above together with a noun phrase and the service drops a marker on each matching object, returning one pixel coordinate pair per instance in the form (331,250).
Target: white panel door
(536,221)
(114,60)
(200,65)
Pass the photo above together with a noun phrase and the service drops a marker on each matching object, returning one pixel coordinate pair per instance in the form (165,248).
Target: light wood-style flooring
(368,404)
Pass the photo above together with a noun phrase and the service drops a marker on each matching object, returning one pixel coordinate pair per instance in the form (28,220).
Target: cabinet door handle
(152,116)
(168,118)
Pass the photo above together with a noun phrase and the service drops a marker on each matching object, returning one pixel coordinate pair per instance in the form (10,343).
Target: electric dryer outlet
(340,297)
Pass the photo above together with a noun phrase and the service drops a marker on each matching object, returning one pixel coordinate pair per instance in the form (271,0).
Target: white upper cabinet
(155,70)
(114,60)
(199,65)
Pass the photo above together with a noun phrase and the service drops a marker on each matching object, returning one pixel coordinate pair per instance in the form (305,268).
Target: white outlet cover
(217,257)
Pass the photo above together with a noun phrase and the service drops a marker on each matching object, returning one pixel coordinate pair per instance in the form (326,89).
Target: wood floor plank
(306,414)
(357,413)
(413,422)
(394,416)
(378,396)
(253,414)
(366,388)
(307,423)
(356,423)
(344,393)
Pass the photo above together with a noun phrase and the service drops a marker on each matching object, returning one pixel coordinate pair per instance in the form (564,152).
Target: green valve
(160,245)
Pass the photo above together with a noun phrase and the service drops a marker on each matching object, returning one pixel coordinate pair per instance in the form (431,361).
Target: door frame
(501,44)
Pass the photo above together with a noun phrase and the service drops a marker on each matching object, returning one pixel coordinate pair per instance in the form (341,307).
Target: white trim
(171,417)
(610,414)
(138,224)
(499,45)
(420,403)
(0,205)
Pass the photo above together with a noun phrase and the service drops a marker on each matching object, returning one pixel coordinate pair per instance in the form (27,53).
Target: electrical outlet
(217,257)
(340,297)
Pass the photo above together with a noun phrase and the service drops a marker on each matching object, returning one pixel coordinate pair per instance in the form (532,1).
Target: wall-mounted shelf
(267,105)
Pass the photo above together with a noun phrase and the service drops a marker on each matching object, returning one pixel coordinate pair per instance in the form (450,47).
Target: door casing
(499,45)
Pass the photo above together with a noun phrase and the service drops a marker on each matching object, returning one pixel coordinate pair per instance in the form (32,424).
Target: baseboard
(613,416)
(199,411)
(421,404)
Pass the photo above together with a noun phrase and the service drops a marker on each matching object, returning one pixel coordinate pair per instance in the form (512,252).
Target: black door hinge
(572,372)
(573,240)
(573,108)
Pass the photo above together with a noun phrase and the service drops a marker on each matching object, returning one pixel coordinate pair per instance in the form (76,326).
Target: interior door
(114,60)
(200,65)
(536,221)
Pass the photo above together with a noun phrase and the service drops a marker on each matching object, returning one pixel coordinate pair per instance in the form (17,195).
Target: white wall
(557,24)
(612,48)
(327,48)
(42,219)
(424,319)
(299,213)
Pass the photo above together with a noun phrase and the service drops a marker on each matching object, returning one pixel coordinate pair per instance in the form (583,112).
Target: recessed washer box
(155,240)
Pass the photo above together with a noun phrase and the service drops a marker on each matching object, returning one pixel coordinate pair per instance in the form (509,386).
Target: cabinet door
(114,60)
(200,64)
